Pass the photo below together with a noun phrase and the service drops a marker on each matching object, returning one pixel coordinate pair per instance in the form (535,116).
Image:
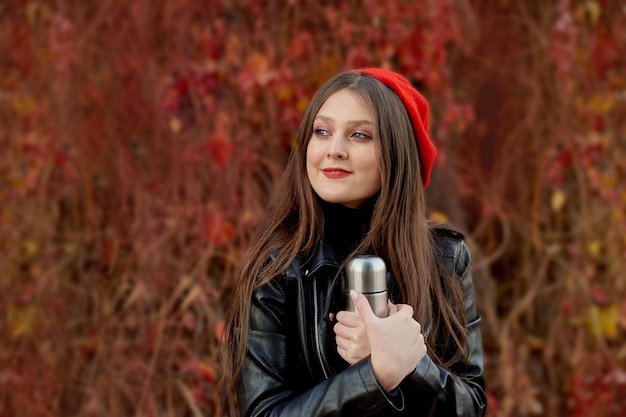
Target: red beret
(417,108)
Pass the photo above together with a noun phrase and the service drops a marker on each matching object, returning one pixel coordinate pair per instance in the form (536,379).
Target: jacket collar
(323,256)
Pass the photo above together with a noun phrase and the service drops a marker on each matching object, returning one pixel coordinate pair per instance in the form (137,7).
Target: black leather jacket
(292,367)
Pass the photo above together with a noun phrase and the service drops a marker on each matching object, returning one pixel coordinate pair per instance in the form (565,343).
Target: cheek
(312,155)
(309,172)
(309,163)
(375,180)
(376,175)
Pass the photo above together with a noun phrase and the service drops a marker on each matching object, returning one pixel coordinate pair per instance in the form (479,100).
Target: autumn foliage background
(140,141)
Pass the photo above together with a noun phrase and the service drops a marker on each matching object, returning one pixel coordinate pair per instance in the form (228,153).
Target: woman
(354,185)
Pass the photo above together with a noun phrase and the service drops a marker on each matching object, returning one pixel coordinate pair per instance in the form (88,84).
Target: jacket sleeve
(460,391)
(268,385)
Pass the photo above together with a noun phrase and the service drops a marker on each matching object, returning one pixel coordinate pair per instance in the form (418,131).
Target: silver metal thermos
(368,274)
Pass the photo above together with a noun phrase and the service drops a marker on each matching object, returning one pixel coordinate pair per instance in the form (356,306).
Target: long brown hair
(399,232)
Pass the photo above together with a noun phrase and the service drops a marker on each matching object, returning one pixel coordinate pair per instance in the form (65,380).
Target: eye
(361,135)
(320,131)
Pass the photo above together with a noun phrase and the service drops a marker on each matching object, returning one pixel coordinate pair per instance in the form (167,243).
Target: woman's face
(342,159)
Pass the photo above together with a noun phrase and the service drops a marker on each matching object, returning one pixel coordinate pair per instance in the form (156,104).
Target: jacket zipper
(317,336)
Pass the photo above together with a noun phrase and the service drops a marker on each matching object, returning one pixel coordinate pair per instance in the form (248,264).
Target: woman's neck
(345,227)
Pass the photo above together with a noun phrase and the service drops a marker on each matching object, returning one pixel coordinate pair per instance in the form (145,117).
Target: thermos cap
(367,274)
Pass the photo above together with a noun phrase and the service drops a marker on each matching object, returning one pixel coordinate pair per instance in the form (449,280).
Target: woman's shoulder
(446,239)
(449,245)
(444,230)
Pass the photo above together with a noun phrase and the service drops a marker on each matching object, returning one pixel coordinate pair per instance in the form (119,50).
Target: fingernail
(354,295)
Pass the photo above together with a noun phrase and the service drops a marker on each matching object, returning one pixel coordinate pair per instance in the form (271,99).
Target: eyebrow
(350,122)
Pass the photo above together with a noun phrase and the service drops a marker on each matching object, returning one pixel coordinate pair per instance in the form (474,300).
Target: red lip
(334,172)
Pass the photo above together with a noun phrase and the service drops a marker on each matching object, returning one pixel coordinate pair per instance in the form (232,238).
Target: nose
(337,148)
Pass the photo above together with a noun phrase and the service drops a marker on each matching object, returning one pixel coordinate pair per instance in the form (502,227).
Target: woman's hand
(352,342)
(396,342)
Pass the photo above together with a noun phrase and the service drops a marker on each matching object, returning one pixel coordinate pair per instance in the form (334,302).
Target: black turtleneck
(345,227)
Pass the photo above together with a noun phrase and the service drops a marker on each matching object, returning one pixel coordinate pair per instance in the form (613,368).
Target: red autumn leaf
(565,158)
(181,85)
(599,295)
(217,230)
(220,149)
(207,371)
(200,397)
(219,330)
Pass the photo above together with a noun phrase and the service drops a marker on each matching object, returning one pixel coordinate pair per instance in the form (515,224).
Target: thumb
(362,306)
(393,308)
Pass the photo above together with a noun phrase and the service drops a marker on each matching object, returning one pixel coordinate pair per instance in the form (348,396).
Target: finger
(347,333)
(347,353)
(340,330)
(405,309)
(363,306)
(349,318)
(342,352)
(344,355)
(393,309)
(342,342)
